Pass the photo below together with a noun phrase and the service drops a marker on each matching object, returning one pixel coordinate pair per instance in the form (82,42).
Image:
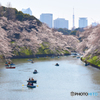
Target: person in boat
(35,70)
(9,62)
(6,63)
(57,64)
(29,79)
(32,79)
(29,83)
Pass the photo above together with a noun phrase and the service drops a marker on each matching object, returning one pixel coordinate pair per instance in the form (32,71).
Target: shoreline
(95,66)
(39,55)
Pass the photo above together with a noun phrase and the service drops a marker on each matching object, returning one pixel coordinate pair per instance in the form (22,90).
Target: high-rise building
(60,23)
(27,11)
(83,22)
(47,18)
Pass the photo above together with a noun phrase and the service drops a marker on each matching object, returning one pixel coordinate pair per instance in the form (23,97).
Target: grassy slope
(94,60)
(44,49)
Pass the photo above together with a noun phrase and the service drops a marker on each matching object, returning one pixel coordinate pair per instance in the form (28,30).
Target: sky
(60,9)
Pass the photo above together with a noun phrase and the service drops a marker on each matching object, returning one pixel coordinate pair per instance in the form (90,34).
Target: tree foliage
(70,32)
(14,14)
(73,32)
(28,38)
(64,31)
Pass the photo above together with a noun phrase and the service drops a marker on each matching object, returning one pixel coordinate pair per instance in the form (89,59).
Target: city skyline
(61,9)
(47,18)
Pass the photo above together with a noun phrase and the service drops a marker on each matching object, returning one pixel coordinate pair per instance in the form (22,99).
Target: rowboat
(9,64)
(32,81)
(35,72)
(86,64)
(31,86)
(6,64)
(10,67)
(56,64)
(78,57)
(12,64)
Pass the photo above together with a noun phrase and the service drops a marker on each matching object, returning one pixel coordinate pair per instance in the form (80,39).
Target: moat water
(53,82)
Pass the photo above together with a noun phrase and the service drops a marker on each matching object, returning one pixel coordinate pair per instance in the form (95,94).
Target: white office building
(83,22)
(60,23)
(47,19)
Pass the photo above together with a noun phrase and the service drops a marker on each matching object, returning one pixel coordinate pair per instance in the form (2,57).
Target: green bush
(44,49)
(23,51)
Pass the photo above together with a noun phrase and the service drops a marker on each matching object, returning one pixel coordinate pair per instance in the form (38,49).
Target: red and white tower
(73,20)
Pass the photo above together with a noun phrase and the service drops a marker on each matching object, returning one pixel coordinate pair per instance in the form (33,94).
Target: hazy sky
(61,8)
